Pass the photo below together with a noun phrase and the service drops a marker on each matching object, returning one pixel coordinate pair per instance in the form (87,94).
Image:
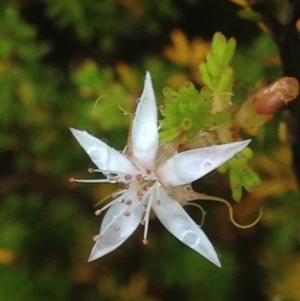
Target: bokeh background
(81,63)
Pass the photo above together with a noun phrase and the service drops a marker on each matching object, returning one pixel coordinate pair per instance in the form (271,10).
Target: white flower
(145,181)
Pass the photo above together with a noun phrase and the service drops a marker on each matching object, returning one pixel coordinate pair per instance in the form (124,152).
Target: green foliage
(95,84)
(250,14)
(18,39)
(262,58)
(48,85)
(216,72)
(107,18)
(189,115)
(199,269)
(181,113)
(240,175)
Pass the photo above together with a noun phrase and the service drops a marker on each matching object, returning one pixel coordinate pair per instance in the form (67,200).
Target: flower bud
(267,101)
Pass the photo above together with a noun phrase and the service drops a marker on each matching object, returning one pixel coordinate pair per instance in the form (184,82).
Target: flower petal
(144,135)
(178,222)
(116,228)
(106,158)
(189,166)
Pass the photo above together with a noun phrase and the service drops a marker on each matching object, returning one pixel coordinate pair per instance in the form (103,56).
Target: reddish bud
(268,100)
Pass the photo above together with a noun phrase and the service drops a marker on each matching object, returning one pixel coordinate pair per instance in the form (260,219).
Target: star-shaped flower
(147,177)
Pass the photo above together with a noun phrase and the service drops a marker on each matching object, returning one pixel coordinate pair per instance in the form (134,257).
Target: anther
(140,194)
(71,180)
(148,171)
(145,242)
(139,177)
(128,202)
(127,213)
(95,238)
(125,186)
(98,212)
(91,170)
(158,202)
(143,223)
(116,227)
(128,177)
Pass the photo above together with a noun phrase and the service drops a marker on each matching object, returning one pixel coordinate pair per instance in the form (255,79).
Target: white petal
(189,166)
(106,158)
(144,133)
(112,237)
(178,222)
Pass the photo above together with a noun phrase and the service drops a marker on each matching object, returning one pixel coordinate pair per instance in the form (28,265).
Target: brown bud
(268,100)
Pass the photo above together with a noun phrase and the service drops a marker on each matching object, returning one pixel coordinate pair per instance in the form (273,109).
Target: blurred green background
(76,63)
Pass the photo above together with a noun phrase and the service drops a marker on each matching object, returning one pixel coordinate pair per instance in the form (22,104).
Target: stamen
(128,195)
(113,195)
(95,238)
(89,181)
(147,213)
(125,186)
(116,227)
(123,209)
(140,194)
(139,177)
(95,170)
(145,242)
(98,212)
(119,199)
(91,170)
(128,177)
